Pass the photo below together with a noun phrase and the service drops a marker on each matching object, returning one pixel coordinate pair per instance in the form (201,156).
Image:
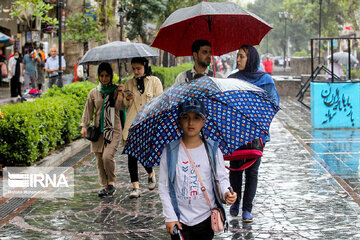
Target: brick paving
(299,196)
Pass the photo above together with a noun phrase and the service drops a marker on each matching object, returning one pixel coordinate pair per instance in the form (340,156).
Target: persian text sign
(38,182)
(335,105)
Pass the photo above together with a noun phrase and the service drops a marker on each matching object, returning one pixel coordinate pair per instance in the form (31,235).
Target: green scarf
(106,90)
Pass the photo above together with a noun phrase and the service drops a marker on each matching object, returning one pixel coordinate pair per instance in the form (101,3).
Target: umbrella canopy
(225,24)
(343,58)
(115,51)
(5,40)
(237,112)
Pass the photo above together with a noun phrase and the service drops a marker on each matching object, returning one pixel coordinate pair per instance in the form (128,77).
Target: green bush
(167,75)
(29,130)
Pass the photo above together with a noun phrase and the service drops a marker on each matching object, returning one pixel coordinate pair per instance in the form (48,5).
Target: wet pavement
(308,189)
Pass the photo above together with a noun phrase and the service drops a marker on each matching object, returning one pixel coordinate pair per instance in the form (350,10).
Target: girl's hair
(143,61)
(104,66)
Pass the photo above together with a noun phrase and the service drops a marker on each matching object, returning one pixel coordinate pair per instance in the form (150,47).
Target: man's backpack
(189,76)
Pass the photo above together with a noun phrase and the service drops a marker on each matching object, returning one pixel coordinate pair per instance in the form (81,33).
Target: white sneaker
(135,193)
(152,181)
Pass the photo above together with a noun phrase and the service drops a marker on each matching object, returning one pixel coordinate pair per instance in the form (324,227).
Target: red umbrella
(225,24)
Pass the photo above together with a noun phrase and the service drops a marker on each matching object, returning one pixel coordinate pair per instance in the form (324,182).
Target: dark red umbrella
(225,24)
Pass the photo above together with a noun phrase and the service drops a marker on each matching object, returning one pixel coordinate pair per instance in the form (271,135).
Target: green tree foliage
(140,12)
(82,29)
(29,10)
(350,8)
(304,24)
(308,12)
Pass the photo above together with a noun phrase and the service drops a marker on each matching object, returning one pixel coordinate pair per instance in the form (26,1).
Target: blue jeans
(251,180)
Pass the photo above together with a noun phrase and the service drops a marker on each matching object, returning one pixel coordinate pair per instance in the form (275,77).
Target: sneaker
(234,209)
(247,217)
(110,189)
(135,193)
(102,192)
(152,181)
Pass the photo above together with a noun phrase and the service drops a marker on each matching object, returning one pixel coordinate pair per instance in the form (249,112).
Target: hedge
(167,75)
(29,130)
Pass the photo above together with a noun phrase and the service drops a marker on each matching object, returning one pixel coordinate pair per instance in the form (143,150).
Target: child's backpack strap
(172,151)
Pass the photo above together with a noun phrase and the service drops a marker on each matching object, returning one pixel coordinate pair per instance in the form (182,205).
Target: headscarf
(107,116)
(252,72)
(140,80)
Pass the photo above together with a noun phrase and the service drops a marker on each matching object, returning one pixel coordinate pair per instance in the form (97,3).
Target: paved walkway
(297,197)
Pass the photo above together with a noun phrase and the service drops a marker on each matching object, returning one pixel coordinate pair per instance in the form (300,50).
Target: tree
(29,10)
(308,13)
(80,28)
(351,7)
(304,24)
(105,16)
(140,12)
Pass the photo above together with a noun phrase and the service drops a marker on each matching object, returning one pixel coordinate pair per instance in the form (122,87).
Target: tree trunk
(73,51)
(165,62)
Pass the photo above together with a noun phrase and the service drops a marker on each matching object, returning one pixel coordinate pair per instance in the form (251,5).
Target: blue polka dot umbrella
(237,113)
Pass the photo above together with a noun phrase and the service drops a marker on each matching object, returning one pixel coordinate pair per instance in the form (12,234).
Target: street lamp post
(285,15)
(59,13)
(320,4)
(122,14)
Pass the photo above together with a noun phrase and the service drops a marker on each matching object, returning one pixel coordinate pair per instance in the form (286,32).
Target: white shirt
(53,63)
(192,203)
(12,65)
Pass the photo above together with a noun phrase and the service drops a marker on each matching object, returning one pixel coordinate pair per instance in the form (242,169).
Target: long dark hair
(145,62)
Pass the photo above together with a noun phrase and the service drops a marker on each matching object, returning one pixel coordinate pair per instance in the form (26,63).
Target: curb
(67,156)
(60,156)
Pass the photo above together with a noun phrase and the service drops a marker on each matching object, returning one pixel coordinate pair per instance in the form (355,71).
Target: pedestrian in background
(268,65)
(14,74)
(40,68)
(29,71)
(248,62)
(138,91)
(184,170)
(3,66)
(106,101)
(52,67)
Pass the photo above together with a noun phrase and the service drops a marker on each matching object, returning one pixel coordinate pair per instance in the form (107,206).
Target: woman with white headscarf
(106,100)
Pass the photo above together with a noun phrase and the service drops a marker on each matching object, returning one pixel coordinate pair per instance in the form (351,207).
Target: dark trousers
(199,231)
(251,180)
(133,169)
(15,86)
(55,80)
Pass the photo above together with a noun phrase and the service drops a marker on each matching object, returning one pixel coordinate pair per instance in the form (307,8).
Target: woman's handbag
(4,70)
(217,214)
(92,133)
(247,154)
(217,220)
